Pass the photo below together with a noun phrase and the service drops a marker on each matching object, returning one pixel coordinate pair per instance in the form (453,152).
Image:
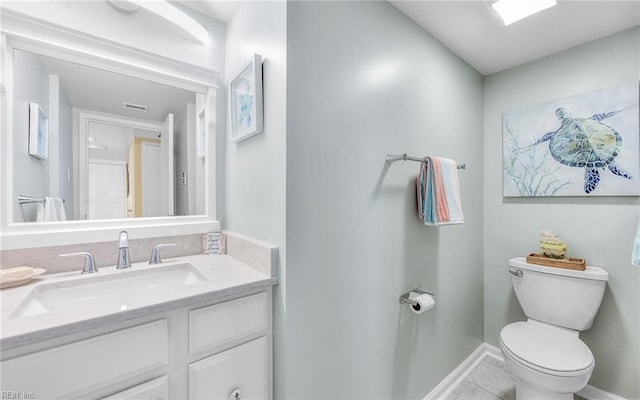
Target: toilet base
(526,391)
(534,385)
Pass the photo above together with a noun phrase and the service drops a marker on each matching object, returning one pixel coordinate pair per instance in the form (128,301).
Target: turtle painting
(585,143)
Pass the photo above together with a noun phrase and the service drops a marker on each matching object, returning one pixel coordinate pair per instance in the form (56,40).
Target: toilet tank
(558,296)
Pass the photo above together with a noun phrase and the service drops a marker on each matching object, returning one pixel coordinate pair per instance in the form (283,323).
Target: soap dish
(22,280)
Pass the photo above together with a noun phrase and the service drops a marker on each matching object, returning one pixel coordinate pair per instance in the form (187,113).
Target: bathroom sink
(113,291)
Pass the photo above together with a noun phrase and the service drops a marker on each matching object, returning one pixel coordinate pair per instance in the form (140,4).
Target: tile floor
(490,380)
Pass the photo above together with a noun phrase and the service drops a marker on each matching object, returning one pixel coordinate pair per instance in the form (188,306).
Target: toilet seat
(546,349)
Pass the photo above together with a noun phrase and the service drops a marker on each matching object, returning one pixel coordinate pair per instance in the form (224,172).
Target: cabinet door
(239,373)
(75,369)
(157,389)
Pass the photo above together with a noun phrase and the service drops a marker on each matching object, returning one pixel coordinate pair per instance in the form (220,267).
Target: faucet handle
(155,253)
(89,262)
(123,251)
(123,240)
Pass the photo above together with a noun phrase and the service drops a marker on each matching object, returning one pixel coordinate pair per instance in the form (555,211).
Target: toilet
(544,353)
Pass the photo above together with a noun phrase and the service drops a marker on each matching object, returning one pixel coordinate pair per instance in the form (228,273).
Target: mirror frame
(54,41)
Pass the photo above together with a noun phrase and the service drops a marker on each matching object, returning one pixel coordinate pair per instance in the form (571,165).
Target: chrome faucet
(123,251)
(89,262)
(155,253)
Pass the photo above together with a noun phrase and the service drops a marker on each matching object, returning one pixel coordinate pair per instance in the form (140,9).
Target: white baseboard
(458,375)
(593,393)
(493,352)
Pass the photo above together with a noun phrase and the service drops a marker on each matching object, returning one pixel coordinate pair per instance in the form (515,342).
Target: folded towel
(62,215)
(438,192)
(52,209)
(40,213)
(635,253)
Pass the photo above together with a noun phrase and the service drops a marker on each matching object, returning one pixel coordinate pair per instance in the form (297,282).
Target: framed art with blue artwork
(245,101)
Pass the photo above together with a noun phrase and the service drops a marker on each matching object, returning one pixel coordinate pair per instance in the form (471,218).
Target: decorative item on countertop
(578,264)
(18,276)
(214,243)
(551,246)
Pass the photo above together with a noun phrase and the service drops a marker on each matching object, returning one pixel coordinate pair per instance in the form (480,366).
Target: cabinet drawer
(76,368)
(242,369)
(220,324)
(157,389)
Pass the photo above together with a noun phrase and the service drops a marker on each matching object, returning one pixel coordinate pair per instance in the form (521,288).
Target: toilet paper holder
(404,299)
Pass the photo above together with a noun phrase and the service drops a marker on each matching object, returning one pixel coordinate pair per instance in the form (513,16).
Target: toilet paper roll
(425,302)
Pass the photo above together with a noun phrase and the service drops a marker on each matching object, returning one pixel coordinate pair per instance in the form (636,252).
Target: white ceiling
(104,91)
(219,9)
(472,31)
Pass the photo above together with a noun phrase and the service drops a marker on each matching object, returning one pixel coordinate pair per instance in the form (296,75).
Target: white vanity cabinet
(208,350)
(240,372)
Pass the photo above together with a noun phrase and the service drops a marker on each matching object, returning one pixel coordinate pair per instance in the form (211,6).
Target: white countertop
(225,276)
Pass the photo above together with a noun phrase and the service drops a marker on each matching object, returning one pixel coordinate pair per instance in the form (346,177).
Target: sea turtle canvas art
(586,136)
(585,143)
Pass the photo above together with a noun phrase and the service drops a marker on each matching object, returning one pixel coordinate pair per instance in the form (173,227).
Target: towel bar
(404,299)
(28,199)
(393,158)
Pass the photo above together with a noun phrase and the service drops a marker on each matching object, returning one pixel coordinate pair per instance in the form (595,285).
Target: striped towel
(438,192)
(635,253)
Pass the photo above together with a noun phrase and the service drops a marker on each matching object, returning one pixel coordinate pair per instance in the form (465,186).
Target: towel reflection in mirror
(51,209)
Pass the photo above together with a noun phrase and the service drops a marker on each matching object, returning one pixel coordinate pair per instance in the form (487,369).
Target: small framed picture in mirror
(38,132)
(245,98)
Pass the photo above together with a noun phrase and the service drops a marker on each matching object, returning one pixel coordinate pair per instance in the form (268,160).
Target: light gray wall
(600,230)
(255,168)
(362,81)
(254,200)
(65,148)
(31,85)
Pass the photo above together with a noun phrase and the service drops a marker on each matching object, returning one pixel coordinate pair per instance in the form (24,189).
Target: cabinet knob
(236,394)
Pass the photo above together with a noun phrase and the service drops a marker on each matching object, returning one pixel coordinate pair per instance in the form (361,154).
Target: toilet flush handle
(517,273)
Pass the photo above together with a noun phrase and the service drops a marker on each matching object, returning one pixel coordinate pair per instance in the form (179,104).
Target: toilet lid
(546,347)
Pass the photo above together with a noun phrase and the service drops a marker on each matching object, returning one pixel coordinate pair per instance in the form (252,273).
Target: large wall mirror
(118,146)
